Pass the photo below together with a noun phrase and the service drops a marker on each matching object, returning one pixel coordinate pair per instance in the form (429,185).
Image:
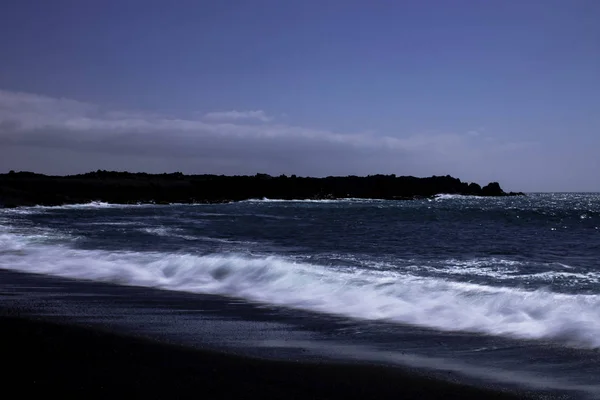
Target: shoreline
(217,202)
(50,357)
(29,189)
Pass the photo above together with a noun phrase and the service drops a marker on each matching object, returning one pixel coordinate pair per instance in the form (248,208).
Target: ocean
(502,292)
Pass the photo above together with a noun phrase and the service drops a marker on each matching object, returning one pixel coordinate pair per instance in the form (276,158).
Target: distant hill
(27,188)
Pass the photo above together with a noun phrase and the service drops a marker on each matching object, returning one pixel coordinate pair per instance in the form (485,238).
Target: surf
(387,295)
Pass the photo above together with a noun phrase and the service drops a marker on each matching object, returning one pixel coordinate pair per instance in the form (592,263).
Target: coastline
(60,358)
(30,189)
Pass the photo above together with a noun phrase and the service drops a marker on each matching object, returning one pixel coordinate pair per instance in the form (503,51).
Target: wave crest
(367,294)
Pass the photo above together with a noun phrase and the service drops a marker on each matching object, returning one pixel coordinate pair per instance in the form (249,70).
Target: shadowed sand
(48,358)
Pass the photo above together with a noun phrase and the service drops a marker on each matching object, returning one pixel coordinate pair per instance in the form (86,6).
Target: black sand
(41,357)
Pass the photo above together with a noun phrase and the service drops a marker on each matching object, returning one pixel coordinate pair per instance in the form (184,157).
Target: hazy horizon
(481,91)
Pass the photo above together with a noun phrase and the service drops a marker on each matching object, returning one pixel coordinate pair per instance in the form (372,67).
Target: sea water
(504,291)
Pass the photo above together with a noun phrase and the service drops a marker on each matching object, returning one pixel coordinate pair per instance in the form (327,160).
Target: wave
(497,269)
(177,233)
(345,200)
(501,269)
(93,205)
(447,196)
(365,294)
(166,232)
(116,223)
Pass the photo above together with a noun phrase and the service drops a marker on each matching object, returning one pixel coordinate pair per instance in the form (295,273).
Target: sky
(483,90)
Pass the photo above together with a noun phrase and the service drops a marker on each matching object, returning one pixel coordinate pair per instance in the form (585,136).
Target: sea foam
(393,296)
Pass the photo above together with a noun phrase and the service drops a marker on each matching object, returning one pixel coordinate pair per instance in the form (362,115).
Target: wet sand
(42,357)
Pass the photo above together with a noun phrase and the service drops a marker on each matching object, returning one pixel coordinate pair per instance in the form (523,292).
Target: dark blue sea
(502,292)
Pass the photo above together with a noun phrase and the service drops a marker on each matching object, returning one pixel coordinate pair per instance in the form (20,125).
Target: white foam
(503,270)
(83,206)
(118,223)
(345,200)
(177,233)
(94,205)
(587,277)
(158,231)
(369,294)
(447,196)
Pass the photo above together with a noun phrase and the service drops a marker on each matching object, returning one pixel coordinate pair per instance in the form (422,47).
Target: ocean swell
(394,296)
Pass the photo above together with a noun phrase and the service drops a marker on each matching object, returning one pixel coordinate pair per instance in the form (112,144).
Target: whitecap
(393,296)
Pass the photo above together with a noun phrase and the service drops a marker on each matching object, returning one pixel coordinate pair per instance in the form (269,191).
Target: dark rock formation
(474,189)
(27,188)
(492,189)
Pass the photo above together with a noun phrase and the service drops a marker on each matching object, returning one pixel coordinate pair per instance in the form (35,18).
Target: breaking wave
(393,296)
(345,200)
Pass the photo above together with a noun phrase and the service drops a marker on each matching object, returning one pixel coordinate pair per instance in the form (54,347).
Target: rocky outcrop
(492,189)
(26,188)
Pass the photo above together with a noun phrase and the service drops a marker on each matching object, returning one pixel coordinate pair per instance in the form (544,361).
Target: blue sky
(482,90)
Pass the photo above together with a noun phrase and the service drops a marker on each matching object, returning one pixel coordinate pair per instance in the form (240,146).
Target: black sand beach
(43,357)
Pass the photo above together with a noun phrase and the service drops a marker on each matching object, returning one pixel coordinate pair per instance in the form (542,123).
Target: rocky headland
(28,189)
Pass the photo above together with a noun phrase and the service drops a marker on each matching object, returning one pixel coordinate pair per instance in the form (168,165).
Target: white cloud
(259,115)
(223,142)
(34,115)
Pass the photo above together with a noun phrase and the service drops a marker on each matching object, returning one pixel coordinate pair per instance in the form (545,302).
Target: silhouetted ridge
(27,188)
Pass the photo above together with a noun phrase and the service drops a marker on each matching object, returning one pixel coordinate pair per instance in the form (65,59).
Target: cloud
(31,119)
(61,136)
(259,115)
